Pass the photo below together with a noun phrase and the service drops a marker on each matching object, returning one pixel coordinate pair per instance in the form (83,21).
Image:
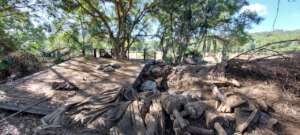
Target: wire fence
(96,52)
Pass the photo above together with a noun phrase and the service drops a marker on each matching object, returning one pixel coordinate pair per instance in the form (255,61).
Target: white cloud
(256,7)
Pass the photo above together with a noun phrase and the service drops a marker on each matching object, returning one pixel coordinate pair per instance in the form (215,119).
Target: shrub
(21,63)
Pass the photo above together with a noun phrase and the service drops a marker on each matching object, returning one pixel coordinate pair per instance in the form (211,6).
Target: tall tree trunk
(82,35)
(204,48)
(163,48)
(182,49)
(83,51)
(215,46)
(119,51)
(208,46)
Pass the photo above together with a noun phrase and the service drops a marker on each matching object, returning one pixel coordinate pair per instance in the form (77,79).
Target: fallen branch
(263,47)
(241,128)
(219,129)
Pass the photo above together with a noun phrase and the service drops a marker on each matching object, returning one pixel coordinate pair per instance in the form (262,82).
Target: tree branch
(100,14)
(277,12)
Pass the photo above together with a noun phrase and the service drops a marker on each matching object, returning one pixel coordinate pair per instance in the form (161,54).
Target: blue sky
(288,18)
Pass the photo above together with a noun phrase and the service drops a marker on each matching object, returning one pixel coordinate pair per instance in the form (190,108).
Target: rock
(199,60)
(108,69)
(102,66)
(189,61)
(116,66)
(195,60)
(149,86)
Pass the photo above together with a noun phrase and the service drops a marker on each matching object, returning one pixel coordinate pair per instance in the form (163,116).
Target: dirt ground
(80,71)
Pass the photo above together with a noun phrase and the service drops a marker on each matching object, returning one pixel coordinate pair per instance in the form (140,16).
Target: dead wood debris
(44,99)
(285,71)
(152,107)
(63,86)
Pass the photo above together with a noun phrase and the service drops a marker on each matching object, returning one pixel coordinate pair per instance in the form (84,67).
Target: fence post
(95,52)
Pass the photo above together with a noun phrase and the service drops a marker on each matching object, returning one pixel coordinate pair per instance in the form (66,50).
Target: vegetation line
(265,45)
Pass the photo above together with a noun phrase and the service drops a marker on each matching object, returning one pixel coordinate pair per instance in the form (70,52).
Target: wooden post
(95,52)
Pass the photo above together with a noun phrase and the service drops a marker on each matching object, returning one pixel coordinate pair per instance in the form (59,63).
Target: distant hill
(261,38)
(266,37)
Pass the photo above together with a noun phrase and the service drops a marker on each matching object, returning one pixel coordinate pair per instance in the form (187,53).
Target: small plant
(4,64)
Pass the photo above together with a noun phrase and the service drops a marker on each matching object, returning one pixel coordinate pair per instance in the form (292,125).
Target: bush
(4,65)
(3,69)
(20,63)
